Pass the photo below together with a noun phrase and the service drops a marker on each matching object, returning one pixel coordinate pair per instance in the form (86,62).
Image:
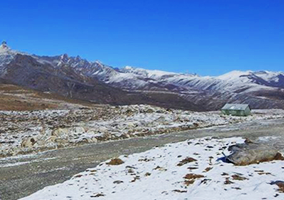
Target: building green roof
(235,106)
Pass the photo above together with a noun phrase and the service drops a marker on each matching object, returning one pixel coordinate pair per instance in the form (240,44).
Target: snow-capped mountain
(94,81)
(6,56)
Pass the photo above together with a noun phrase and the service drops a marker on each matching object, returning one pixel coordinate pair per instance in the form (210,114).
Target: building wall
(236,112)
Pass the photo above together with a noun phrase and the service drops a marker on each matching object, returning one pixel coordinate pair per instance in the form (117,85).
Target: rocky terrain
(24,132)
(77,78)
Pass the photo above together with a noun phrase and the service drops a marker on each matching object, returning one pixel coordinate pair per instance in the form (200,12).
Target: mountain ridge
(75,77)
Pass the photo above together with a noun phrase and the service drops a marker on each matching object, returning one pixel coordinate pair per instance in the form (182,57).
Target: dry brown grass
(190,178)
(15,98)
(115,161)
(193,176)
(186,160)
(238,177)
(207,169)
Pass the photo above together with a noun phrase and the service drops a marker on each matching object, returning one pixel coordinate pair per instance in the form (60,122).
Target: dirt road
(23,175)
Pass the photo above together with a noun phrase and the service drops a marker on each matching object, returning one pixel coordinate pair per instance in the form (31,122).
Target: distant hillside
(77,78)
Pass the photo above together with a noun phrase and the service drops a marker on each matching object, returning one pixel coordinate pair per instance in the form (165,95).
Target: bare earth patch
(190,178)
(115,161)
(186,160)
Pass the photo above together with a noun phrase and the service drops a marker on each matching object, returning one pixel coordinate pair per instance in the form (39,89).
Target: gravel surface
(23,175)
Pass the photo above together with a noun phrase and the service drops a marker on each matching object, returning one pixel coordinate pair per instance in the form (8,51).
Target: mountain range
(77,78)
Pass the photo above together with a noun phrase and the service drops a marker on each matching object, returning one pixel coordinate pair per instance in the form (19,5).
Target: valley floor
(25,132)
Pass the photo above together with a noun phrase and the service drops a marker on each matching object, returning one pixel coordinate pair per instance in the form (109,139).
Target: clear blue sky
(196,36)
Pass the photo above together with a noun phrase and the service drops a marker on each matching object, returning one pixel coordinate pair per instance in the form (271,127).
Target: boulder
(93,139)
(28,142)
(250,153)
(78,130)
(60,132)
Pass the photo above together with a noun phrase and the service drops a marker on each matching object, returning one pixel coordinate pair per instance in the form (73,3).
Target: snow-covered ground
(30,131)
(186,170)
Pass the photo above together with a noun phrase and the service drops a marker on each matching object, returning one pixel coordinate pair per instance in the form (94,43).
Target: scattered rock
(160,168)
(28,142)
(117,182)
(280,185)
(247,141)
(60,132)
(97,195)
(135,179)
(192,168)
(204,181)
(78,176)
(227,181)
(180,191)
(145,160)
(147,174)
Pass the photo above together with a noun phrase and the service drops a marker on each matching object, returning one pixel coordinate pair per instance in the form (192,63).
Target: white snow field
(169,172)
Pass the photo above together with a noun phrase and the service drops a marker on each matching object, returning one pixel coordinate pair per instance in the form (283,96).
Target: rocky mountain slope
(69,78)
(77,78)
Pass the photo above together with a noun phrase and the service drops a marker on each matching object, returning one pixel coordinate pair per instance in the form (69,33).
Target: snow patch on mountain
(147,73)
(233,75)
(269,76)
(128,78)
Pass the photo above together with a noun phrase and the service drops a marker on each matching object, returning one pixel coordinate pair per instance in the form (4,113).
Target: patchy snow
(131,78)
(269,76)
(32,131)
(160,174)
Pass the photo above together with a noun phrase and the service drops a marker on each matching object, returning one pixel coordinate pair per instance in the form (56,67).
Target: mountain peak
(6,50)
(4,46)
(64,57)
